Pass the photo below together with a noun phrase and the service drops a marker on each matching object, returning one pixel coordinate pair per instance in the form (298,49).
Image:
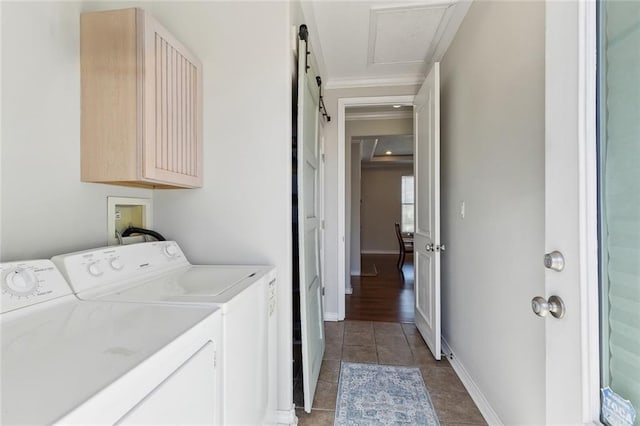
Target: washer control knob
(94,268)
(21,282)
(116,264)
(171,250)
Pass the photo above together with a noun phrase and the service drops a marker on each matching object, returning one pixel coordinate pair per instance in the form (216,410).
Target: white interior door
(309,227)
(427,244)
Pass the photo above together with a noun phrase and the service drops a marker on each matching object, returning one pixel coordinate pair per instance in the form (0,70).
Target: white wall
(381,207)
(493,158)
(243,212)
(46,210)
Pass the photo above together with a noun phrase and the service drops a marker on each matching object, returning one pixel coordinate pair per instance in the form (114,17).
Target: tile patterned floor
(391,344)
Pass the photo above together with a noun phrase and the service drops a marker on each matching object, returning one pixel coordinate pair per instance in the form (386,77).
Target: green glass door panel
(619,66)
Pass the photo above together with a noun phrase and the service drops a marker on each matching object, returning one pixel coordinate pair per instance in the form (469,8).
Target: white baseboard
(287,417)
(331,316)
(489,414)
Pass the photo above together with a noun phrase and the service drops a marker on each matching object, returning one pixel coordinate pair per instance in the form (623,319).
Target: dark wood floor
(388,296)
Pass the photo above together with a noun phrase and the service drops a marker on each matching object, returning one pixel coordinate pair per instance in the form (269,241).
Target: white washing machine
(159,273)
(75,362)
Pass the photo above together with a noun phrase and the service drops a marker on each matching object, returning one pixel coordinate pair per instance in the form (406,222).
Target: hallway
(389,343)
(379,329)
(387,296)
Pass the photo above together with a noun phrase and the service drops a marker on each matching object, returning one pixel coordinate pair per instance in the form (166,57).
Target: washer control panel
(29,282)
(92,269)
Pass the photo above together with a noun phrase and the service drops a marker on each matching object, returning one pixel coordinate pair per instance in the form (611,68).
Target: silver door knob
(428,247)
(554,261)
(440,248)
(553,306)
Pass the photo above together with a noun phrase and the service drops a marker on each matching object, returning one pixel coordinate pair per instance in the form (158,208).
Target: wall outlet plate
(123,212)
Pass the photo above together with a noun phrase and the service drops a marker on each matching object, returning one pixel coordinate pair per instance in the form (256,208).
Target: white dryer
(159,273)
(74,362)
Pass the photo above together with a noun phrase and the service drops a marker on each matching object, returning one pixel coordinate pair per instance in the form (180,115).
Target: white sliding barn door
(309,231)
(427,245)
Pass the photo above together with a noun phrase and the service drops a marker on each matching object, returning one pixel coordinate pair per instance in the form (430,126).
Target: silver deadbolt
(554,261)
(553,306)
(435,247)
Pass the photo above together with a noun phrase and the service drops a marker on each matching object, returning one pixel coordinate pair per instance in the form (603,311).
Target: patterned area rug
(372,394)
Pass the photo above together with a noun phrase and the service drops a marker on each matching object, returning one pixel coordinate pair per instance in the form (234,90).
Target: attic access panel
(406,34)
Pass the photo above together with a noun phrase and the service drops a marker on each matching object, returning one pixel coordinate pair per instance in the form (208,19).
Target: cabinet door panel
(172,140)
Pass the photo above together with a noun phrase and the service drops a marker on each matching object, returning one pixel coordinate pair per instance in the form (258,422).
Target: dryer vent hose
(133,230)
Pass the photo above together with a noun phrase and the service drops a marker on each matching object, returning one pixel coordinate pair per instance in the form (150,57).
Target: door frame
(343,238)
(570,136)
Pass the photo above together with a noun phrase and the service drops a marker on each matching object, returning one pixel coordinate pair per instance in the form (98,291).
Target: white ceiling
(375,148)
(380,42)
(389,149)
(375,112)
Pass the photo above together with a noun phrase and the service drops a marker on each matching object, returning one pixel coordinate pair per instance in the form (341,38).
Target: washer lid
(193,284)
(53,360)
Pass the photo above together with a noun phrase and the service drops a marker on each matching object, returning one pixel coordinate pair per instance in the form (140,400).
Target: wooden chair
(405,244)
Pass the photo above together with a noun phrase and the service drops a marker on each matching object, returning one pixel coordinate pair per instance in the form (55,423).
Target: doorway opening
(380,139)
(424,107)
(360,106)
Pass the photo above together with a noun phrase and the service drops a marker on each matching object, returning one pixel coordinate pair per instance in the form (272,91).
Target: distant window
(407,222)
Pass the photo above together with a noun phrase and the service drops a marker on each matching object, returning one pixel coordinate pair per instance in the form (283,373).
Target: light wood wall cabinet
(141,103)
